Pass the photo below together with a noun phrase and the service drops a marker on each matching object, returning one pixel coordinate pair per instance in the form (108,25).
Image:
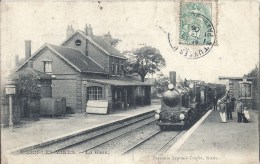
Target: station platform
(211,141)
(34,132)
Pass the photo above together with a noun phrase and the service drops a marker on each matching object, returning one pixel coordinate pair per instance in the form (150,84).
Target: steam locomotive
(182,105)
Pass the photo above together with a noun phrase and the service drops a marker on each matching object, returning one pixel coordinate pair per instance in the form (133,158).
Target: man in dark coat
(233,100)
(215,100)
(227,95)
(229,110)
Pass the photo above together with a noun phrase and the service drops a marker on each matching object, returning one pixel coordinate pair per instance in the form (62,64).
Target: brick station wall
(67,82)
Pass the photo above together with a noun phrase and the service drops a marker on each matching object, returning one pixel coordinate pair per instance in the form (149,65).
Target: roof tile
(78,59)
(106,46)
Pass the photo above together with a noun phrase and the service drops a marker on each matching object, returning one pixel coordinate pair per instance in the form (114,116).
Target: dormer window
(78,42)
(47,66)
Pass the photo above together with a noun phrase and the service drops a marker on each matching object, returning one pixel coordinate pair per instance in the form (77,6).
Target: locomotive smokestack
(173,78)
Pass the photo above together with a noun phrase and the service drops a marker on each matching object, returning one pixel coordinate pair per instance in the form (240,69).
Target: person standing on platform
(215,100)
(222,111)
(229,109)
(227,95)
(233,100)
(240,110)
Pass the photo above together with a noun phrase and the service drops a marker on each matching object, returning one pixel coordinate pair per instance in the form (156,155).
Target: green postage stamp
(197,28)
(195,24)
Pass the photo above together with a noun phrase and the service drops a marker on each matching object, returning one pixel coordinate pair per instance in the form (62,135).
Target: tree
(28,86)
(113,41)
(27,91)
(148,60)
(255,74)
(161,83)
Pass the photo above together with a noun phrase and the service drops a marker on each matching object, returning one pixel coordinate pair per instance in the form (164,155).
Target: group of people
(229,105)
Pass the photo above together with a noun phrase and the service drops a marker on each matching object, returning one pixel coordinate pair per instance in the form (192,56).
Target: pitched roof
(73,57)
(77,59)
(100,43)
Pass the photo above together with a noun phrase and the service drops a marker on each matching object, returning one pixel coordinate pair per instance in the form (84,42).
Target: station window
(245,90)
(94,93)
(47,67)
(122,69)
(118,68)
(113,68)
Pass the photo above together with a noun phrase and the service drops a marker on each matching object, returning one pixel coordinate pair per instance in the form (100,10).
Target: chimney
(30,64)
(88,30)
(173,78)
(27,49)
(69,31)
(16,61)
(108,38)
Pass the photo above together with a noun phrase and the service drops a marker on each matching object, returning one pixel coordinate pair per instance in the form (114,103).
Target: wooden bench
(97,106)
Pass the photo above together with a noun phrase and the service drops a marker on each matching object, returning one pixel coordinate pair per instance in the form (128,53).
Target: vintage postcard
(174,81)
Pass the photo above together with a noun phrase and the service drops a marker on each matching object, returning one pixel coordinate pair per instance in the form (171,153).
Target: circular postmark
(196,36)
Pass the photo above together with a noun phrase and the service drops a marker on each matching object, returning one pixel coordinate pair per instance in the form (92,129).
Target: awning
(119,82)
(233,78)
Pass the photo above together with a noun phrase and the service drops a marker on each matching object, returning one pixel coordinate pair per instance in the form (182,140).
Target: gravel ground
(161,142)
(124,142)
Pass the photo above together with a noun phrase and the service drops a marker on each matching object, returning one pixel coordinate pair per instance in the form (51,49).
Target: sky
(136,24)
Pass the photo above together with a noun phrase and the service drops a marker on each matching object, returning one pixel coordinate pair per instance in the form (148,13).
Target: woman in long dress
(222,112)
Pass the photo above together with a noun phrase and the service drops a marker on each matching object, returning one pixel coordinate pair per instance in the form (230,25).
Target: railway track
(147,139)
(71,141)
(122,142)
(134,135)
(113,136)
(157,143)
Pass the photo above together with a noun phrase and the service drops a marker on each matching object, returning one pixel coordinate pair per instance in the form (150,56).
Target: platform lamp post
(10,91)
(244,85)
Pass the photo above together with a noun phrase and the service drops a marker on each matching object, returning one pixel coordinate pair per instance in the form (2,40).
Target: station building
(87,67)
(240,87)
